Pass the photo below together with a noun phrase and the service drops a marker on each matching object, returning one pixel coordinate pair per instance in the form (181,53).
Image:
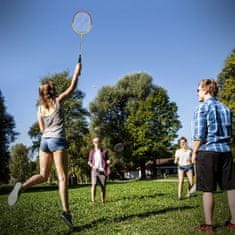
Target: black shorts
(215,168)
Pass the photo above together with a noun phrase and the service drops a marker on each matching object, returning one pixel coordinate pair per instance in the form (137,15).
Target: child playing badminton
(53,143)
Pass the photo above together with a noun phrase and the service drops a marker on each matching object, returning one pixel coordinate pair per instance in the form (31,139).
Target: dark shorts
(50,145)
(98,177)
(214,168)
(186,168)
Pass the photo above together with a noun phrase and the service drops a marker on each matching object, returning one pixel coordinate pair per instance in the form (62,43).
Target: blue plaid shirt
(213,126)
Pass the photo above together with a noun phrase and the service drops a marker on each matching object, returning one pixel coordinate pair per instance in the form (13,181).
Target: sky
(177,42)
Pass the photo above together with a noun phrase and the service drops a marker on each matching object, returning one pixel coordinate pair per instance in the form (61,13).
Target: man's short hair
(209,86)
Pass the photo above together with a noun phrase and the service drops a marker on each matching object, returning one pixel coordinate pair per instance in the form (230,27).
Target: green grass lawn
(137,207)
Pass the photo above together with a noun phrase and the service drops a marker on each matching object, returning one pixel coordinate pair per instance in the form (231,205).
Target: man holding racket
(212,152)
(98,161)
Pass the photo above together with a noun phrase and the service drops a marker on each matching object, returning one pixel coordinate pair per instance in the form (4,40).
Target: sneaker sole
(13,196)
(67,222)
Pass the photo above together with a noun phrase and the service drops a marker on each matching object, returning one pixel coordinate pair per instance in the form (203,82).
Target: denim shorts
(185,168)
(50,145)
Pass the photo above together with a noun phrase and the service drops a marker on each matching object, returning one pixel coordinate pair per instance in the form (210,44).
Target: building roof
(160,162)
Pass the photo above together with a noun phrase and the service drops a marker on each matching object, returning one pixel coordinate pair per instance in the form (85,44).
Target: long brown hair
(47,93)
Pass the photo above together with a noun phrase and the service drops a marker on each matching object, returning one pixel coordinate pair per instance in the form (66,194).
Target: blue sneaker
(15,193)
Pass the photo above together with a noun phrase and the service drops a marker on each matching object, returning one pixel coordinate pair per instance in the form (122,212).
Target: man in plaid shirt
(212,153)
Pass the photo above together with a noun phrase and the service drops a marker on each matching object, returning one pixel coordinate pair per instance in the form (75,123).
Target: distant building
(161,167)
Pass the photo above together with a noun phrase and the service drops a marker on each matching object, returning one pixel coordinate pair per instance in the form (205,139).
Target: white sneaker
(14,195)
(193,189)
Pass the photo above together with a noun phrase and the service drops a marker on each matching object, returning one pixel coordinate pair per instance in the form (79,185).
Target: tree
(226,81)
(109,112)
(111,108)
(152,127)
(7,135)
(131,107)
(228,71)
(20,167)
(75,117)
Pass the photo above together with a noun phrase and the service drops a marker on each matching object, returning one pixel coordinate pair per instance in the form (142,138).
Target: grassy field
(137,207)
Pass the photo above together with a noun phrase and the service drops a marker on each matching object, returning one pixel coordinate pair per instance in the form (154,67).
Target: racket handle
(80,59)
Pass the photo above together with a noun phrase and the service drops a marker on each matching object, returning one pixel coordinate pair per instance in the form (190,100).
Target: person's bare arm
(196,145)
(40,122)
(90,164)
(90,161)
(176,160)
(73,83)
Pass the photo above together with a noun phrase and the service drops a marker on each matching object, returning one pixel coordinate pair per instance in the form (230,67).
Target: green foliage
(7,135)
(228,71)
(226,80)
(34,134)
(75,118)
(112,106)
(20,167)
(138,114)
(227,94)
(137,207)
(152,127)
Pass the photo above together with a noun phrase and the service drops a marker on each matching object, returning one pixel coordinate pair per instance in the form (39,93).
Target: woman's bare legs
(231,203)
(190,181)
(103,194)
(61,164)
(93,192)
(45,162)
(181,182)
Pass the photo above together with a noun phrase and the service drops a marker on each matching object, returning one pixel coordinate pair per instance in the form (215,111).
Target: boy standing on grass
(212,153)
(98,161)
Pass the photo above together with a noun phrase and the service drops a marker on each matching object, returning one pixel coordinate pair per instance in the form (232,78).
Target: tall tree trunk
(142,169)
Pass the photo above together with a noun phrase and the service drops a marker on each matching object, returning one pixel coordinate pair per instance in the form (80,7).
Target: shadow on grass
(6,189)
(136,197)
(127,217)
(185,198)
(39,188)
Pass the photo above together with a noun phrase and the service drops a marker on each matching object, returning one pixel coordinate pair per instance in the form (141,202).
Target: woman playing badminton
(53,143)
(183,157)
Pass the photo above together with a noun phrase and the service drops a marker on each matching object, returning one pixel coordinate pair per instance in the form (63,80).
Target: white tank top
(185,157)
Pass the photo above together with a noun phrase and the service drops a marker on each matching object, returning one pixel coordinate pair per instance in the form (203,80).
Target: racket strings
(82,22)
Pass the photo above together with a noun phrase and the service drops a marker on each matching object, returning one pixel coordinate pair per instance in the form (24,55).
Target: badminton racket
(82,25)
